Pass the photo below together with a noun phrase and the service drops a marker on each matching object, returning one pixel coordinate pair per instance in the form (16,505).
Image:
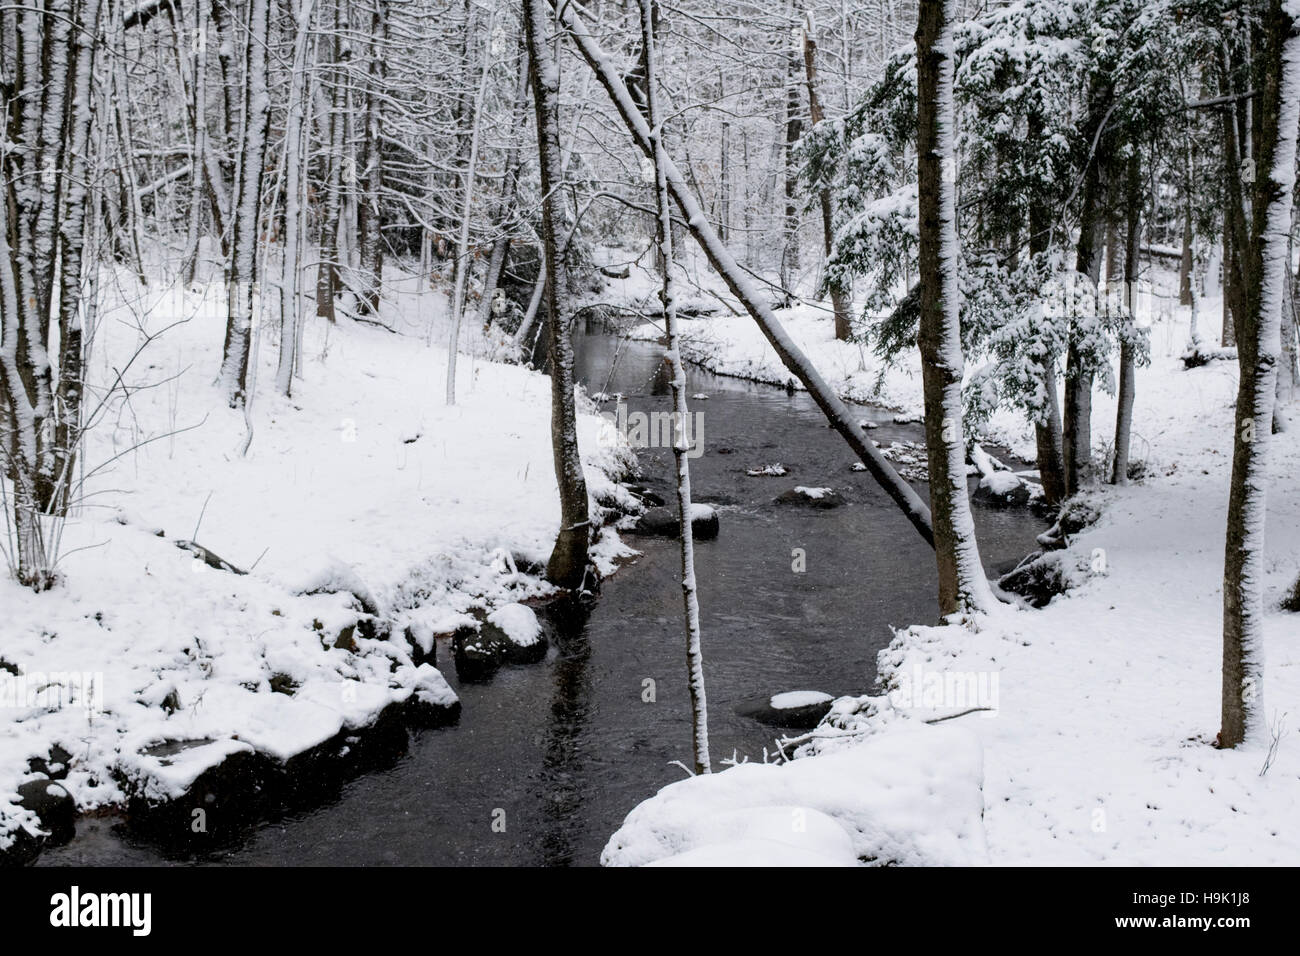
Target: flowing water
(548,758)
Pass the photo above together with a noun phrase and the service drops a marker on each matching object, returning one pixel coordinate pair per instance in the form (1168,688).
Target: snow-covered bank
(1093,719)
(364,502)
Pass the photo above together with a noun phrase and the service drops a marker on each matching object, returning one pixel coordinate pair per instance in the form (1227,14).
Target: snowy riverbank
(1095,744)
(364,504)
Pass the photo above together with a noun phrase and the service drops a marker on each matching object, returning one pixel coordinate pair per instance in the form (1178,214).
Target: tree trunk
(790,228)
(677,384)
(294,160)
(839,297)
(1076,450)
(567,566)
(369,209)
(467,210)
(1258,345)
(243,266)
(1127,361)
(963,587)
(327,272)
(1185,260)
(72,225)
(509,190)
(1047,427)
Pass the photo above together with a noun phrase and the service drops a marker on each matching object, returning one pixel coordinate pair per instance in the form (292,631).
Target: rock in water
(516,627)
(1001,489)
(811,497)
(796,709)
(664,523)
(52,803)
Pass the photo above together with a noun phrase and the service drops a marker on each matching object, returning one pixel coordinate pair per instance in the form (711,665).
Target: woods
(320,323)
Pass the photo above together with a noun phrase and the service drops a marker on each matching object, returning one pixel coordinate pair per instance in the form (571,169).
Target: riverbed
(548,758)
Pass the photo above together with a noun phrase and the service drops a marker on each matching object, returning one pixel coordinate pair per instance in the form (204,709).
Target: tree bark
(243,266)
(677,385)
(370,222)
(1258,349)
(1076,449)
(327,272)
(294,160)
(963,586)
(1127,359)
(509,190)
(567,566)
(467,211)
(839,297)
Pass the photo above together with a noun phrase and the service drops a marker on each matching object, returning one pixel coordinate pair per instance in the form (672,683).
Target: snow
(791,699)
(518,622)
(814,493)
(911,798)
(333,499)
(1000,482)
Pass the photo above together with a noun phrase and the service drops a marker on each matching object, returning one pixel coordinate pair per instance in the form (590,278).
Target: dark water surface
(561,751)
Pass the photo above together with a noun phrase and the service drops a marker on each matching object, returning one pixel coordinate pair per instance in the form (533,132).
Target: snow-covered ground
(1098,713)
(364,483)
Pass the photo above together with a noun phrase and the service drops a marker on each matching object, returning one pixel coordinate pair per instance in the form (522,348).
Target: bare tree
(246,215)
(677,385)
(839,295)
(568,562)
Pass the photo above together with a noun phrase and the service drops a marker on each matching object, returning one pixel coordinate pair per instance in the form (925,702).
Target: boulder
(822,498)
(796,710)
(664,523)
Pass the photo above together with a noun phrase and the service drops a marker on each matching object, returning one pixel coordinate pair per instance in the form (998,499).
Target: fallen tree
(837,413)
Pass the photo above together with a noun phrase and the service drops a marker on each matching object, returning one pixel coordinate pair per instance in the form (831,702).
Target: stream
(559,752)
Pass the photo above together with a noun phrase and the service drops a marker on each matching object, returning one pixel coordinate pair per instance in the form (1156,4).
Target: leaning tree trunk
(243,265)
(1127,357)
(963,586)
(677,385)
(568,563)
(1258,350)
(738,282)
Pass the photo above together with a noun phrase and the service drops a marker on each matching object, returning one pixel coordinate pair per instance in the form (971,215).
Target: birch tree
(294,160)
(467,211)
(48,109)
(963,586)
(246,215)
(1258,333)
(677,385)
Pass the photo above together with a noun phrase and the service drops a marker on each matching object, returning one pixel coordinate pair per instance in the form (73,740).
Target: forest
(675,432)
